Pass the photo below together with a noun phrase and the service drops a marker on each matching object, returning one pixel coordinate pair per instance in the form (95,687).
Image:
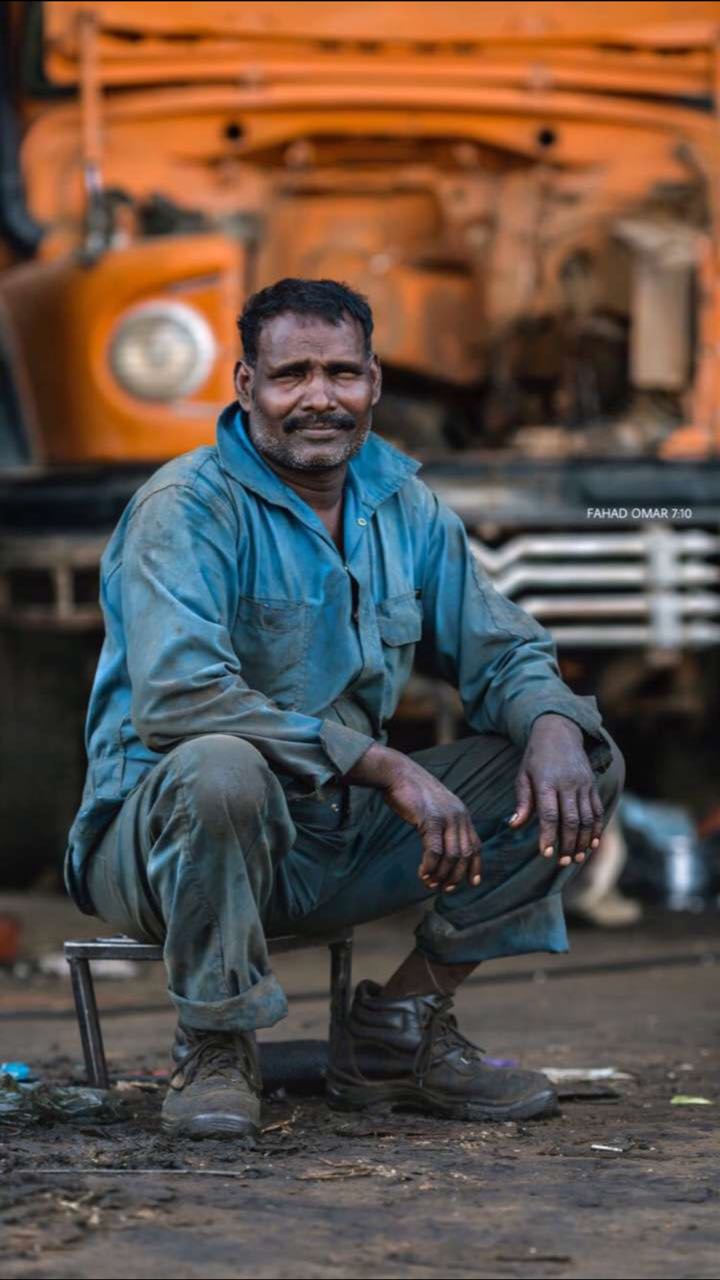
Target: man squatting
(262,602)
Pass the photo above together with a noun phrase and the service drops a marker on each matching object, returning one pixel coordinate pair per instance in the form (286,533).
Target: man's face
(310,395)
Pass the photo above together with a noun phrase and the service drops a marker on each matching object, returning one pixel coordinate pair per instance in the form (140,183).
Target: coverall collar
(376,472)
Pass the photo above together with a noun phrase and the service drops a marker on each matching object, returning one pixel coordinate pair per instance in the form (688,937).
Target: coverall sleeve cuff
(343,746)
(583,711)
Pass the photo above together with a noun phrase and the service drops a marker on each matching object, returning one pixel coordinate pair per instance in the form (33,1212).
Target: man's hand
(450,844)
(556,779)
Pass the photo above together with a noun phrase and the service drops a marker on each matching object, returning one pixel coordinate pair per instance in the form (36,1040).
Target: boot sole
(367,1097)
(211,1126)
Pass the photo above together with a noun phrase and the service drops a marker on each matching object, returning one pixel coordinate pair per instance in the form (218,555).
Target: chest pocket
(270,638)
(399,621)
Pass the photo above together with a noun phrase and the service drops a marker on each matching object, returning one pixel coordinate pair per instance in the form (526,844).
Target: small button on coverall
(247,665)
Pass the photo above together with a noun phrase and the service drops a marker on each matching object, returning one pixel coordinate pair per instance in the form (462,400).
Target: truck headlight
(162,350)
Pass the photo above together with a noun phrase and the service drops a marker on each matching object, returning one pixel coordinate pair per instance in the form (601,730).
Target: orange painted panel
(64,315)
(374,20)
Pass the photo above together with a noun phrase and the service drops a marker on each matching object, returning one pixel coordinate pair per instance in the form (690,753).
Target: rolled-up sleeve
(179,598)
(501,660)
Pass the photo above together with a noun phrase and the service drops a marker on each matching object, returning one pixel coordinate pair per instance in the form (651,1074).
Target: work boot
(215,1089)
(409,1051)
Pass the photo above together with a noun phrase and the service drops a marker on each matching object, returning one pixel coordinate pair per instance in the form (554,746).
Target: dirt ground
(625,1186)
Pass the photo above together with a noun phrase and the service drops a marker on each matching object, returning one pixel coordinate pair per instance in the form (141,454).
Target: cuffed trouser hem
(537,926)
(262,1005)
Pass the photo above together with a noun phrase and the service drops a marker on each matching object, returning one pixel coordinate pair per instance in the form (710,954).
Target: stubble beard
(290,452)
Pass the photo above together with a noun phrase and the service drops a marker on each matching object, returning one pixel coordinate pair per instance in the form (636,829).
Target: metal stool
(79,955)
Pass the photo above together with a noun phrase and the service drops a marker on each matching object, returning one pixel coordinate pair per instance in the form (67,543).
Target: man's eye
(346,373)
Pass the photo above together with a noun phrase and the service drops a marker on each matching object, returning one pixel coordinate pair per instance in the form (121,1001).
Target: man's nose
(319,395)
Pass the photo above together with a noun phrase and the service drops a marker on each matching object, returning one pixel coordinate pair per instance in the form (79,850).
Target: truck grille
(655,586)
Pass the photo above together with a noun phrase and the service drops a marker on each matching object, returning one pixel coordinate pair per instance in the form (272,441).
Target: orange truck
(528,195)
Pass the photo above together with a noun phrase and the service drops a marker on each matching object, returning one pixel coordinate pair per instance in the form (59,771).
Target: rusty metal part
(485,178)
(41,581)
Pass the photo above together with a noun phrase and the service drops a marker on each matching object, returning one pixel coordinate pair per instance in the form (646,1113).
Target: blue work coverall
(247,665)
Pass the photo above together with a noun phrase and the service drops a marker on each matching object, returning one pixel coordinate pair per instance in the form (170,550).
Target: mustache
(339,421)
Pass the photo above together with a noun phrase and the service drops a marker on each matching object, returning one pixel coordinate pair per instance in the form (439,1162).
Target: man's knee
(221,774)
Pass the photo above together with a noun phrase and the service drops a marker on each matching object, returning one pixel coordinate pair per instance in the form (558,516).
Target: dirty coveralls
(247,666)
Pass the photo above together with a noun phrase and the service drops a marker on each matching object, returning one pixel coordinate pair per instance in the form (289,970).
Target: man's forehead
(290,336)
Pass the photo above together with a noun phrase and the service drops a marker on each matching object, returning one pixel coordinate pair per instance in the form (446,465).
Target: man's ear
(243,379)
(376,376)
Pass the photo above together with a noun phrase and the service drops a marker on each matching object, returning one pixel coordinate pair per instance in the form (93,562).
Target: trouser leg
(190,861)
(516,909)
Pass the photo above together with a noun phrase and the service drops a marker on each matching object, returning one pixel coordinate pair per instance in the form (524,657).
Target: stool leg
(89,1024)
(340,979)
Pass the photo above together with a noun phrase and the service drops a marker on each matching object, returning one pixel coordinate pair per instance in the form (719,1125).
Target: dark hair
(327,299)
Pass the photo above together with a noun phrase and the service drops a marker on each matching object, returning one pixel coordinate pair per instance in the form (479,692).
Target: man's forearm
(380,765)
(376,768)
(551,718)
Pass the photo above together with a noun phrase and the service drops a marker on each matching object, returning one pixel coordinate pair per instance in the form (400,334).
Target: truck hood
(634,48)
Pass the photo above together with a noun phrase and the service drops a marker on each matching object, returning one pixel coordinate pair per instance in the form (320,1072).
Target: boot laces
(441,1038)
(218,1055)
